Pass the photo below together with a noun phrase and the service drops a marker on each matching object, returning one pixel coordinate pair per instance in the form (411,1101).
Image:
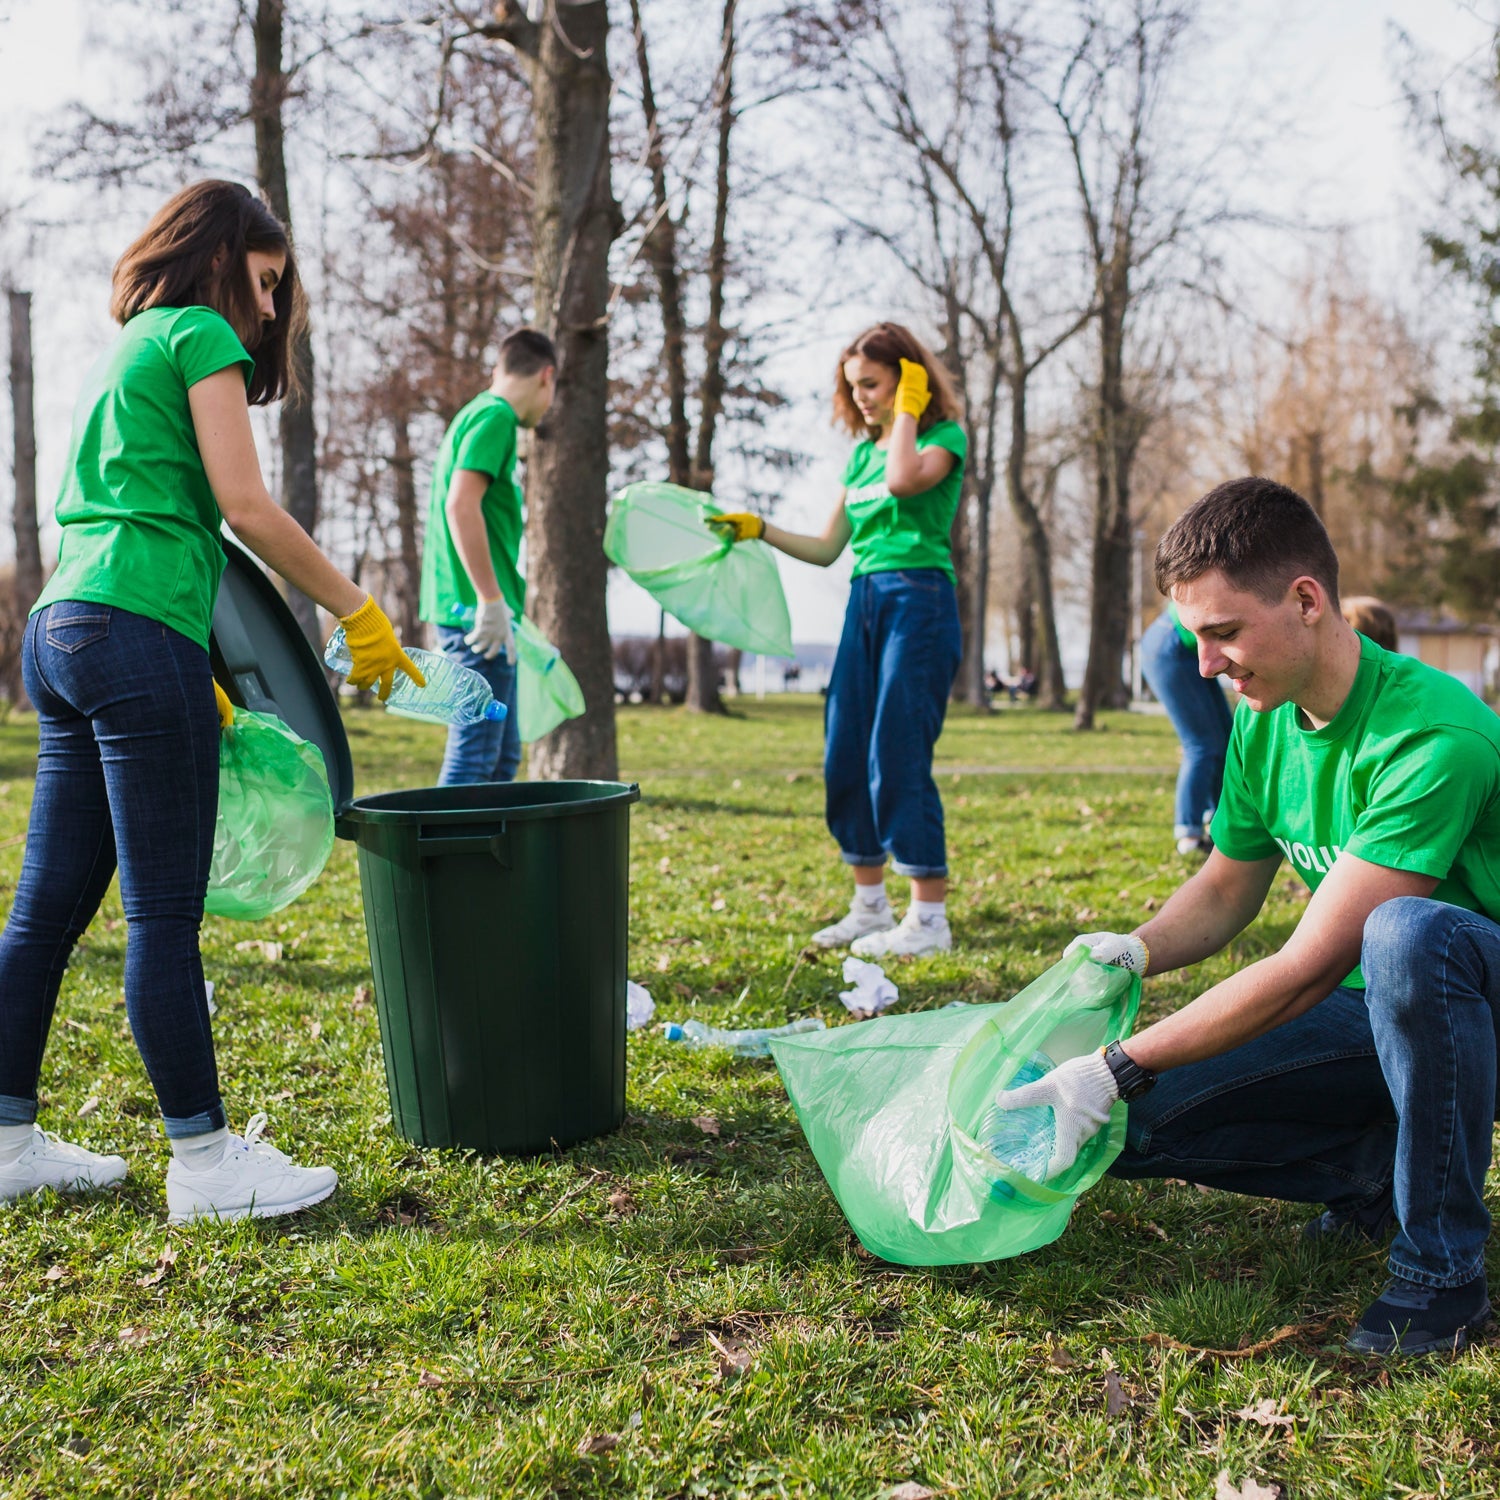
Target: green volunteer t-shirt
(1184,635)
(481,437)
(909,533)
(1407,775)
(140,526)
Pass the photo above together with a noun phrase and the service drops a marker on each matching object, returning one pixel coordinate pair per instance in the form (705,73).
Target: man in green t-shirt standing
(1370,1089)
(471,579)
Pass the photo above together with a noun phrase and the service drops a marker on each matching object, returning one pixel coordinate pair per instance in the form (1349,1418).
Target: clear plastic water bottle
(453,695)
(1022,1138)
(755,1042)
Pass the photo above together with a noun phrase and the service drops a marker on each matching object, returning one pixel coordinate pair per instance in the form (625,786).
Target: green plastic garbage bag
(547,692)
(275,825)
(896,1110)
(726,591)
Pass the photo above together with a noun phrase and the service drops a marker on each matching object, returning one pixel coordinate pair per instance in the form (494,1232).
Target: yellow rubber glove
(376,651)
(746,527)
(225,707)
(912,394)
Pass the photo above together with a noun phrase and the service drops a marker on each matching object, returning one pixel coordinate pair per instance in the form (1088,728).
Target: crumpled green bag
(892,1109)
(725,590)
(275,826)
(547,692)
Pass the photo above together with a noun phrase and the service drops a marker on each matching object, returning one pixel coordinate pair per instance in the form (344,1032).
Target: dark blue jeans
(1395,1086)
(483,751)
(886,701)
(1199,713)
(127,773)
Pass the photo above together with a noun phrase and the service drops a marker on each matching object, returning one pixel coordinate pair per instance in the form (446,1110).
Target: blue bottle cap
(673,1032)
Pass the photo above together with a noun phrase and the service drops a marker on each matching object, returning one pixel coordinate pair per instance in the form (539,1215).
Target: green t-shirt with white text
(1406,775)
(140,525)
(482,437)
(891,533)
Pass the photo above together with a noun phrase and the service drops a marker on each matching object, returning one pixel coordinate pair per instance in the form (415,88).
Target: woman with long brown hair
(901,641)
(115,658)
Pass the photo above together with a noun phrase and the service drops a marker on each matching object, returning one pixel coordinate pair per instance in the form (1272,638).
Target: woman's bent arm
(818,550)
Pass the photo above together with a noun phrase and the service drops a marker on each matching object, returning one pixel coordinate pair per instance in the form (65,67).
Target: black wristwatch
(1131,1078)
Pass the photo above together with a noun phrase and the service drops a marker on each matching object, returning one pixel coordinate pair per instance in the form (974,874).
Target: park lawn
(449,1325)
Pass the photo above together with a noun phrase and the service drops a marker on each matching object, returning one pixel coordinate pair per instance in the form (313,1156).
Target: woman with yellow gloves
(115,658)
(901,641)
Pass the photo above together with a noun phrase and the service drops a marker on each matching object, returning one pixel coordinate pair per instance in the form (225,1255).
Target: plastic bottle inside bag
(453,695)
(1021,1138)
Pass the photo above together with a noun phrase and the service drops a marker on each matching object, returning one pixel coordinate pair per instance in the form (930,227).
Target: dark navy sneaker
(1408,1318)
(1370,1223)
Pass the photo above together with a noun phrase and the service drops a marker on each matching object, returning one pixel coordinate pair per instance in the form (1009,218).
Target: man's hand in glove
(1119,949)
(1080,1093)
(744,526)
(376,651)
(493,631)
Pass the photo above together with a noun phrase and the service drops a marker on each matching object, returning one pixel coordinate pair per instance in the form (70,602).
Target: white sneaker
(48,1162)
(861,920)
(913,937)
(252,1180)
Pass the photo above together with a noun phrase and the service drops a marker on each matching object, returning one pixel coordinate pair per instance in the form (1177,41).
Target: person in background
(115,658)
(1200,714)
(1372,619)
(901,641)
(472,587)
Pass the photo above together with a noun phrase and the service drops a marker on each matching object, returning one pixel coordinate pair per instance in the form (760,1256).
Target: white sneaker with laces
(860,920)
(252,1180)
(911,938)
(48,1162)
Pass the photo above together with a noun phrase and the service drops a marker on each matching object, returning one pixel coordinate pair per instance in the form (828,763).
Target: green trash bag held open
(275,825)
(899,1112)
(724,590)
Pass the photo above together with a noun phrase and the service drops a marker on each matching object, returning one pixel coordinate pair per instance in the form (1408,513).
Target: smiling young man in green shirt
(1356,1066)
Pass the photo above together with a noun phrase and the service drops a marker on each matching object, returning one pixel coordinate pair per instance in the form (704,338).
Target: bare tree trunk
(28,539)
(403,464)
(299,435)
(574,220)
(659,663)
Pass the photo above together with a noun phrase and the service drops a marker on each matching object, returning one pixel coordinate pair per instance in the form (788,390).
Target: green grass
(457,1326)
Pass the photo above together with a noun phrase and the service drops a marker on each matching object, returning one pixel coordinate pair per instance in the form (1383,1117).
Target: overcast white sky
(1351,159)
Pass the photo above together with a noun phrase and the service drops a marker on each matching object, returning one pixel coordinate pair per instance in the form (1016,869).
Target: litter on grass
(639,1006)
(872,992)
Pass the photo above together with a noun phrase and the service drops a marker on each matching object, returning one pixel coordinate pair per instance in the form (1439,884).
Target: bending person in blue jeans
(1199,713)
(901,641)
(1370,1089)
(472,587)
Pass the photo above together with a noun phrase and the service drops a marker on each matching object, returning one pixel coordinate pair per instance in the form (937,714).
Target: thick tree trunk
(403,465)
(299,435)
(23,412)
(574,220)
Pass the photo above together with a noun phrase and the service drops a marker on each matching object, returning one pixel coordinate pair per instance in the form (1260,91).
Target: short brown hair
(526,351)
(888,344)
(1372,617)
(173,264)
(1259,534)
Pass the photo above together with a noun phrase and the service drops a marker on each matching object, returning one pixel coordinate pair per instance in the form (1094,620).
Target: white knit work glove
(1117,948)
(1079,1093)
(492,632)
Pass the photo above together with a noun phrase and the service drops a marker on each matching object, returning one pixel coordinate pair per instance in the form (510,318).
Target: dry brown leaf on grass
(707,1124)
(363,995)
(1251,1489)
(134,1337)
(164,1263)
(734,1357)
(88,1107)
(1116,1398)
(911,1490)
(1059,1358)
(599,1442)
(267,949)
(622,1201)
(1267,1413)
(430,1381)
(55,1273)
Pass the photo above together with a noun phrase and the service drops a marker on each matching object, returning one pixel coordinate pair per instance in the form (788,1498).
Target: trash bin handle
(430,845)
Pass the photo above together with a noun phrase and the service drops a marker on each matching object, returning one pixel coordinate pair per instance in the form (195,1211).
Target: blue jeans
(886,700)
(1395,1087)
(127,773)
(483,751)
(1199,713)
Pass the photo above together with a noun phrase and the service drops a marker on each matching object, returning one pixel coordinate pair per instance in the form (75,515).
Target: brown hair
(1372,617)
(192,254)
(888,344)
(1259,534)
(525,351)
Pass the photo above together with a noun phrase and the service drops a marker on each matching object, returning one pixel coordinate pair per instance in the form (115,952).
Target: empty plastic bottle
(1021,1138)
(453,695)
(755,1042)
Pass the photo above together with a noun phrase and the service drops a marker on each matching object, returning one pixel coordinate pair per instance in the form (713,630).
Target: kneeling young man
(1369,1089)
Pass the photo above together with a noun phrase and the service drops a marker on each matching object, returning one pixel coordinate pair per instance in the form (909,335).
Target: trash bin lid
(263,660)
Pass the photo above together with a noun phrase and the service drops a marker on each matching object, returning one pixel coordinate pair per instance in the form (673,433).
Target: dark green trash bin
(496,914)
(497,918)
